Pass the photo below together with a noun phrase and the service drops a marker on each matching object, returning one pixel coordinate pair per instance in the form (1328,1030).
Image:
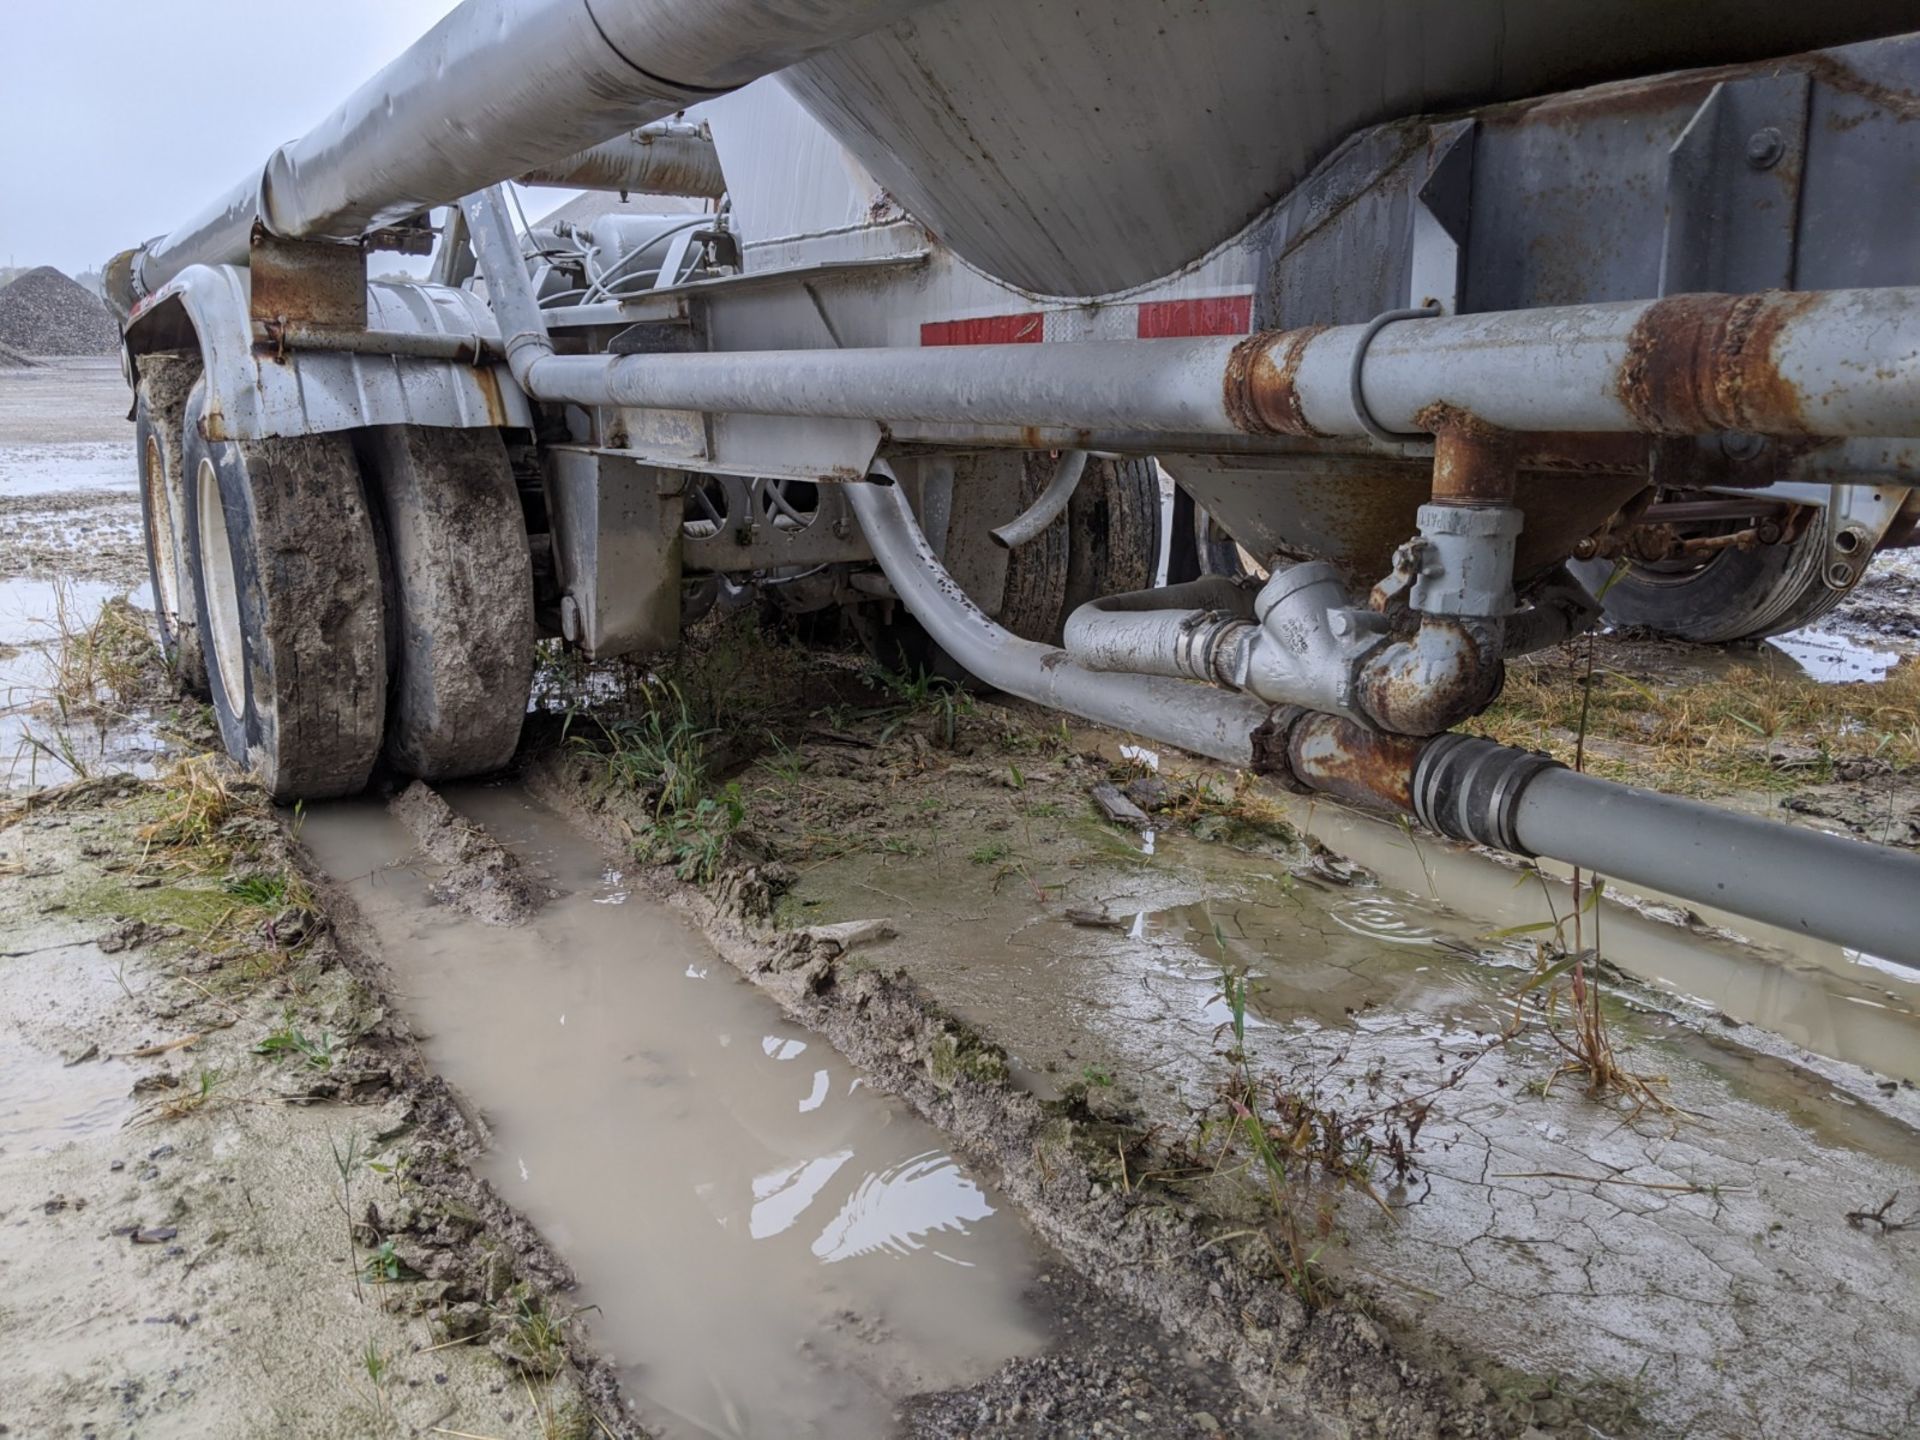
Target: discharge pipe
(1823,363)
(1830,363)
(1824,886)
(1030,524)
(500,88)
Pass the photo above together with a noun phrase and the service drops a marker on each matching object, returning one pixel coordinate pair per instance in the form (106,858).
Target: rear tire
(1113,540)
(159,408)
(286,583)
(1734,595)
(461,609)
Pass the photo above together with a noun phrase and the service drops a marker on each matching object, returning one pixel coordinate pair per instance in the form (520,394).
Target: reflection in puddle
(767,1242)
(891,1211)
(1834,659)
(781,1197)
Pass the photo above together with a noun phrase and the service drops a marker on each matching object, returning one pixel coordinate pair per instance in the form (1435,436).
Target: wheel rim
(222,589)
(166,556)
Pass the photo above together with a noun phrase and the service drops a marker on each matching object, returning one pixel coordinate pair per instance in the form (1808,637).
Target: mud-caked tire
(286,583)
(460,583)
(159,412)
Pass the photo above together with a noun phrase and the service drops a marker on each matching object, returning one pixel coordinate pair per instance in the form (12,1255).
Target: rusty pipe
(1841,890)
(1816,363)
(1833,363)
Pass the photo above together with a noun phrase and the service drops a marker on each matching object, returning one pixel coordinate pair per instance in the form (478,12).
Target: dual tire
(159,403)
(343,619)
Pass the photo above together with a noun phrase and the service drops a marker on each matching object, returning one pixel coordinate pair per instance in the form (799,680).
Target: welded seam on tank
(639,69)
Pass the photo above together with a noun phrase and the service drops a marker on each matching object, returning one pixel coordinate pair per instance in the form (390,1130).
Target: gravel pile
(11,359)
(44,313)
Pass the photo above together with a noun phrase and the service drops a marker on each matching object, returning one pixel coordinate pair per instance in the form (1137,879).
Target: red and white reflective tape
(1144,320)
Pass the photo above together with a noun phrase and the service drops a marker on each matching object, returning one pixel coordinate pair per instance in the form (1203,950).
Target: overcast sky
(119,120)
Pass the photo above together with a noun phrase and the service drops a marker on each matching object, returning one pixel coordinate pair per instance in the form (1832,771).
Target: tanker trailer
(1445,320)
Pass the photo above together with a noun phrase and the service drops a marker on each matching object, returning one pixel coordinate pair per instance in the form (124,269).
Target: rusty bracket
(321,284)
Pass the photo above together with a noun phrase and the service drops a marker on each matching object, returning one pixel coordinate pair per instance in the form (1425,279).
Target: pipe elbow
(1445,672)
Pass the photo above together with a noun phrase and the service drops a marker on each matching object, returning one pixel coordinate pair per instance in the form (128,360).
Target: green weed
(660,753)
(288,1040)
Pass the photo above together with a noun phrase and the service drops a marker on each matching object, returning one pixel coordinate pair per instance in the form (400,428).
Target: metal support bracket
(317,284)
(1440,217)
(1733,188)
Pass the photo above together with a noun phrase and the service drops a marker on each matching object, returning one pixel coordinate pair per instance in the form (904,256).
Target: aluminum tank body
(1075,148)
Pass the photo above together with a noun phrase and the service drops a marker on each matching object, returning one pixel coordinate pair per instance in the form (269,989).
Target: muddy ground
(1259,1117)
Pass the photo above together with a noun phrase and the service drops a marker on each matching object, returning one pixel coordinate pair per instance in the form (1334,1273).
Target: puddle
(30,609)
(1817,996)
(46,1103)
(35,747)
(62,469)
(772,1247)
(1441,897)
(1700,1257)
(1835,659)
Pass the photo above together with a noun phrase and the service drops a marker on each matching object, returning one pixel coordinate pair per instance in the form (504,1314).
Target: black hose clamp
(1469,789)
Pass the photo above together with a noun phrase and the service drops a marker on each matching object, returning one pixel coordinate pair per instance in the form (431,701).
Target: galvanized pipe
(499,88)
(1825,886)
(1828,363)
(1828,887)
(430,345)
(1194,717)
(1030,524)
(1191,631)
(670,157)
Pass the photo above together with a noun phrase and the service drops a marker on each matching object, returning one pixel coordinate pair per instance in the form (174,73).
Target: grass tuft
(1758,727)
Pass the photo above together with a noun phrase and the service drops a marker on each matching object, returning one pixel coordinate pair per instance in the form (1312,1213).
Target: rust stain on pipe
(1473,462)
(1701,363)
(1259,390)
(1424,688)
(1308,751)
(1354,764)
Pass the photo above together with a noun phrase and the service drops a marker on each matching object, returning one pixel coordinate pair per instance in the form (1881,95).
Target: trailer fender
(257,391)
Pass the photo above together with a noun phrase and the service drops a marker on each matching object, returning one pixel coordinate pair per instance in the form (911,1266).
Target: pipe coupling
(1469,789)
(1210,646)
(1464,564)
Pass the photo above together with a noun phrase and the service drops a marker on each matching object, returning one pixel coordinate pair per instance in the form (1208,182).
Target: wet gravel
(1112,1375)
